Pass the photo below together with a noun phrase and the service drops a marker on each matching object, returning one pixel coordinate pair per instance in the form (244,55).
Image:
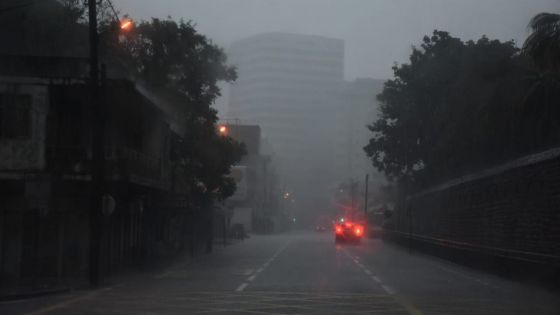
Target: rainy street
(304,273)
(279,157)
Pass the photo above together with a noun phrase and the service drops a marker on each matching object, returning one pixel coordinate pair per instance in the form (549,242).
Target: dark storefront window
(15,116)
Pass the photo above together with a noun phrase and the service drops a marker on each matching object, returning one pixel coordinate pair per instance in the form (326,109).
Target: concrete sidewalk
(48,287)
(26,292)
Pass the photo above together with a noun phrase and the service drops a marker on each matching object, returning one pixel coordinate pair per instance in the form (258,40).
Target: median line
(413,310)
(244,285)
(241,287)
(409,307)
(388,289)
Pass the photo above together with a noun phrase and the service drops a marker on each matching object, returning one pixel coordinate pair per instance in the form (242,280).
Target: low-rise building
(253,203)
(46,179)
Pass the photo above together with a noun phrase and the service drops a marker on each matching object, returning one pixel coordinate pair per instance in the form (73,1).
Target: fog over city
(280,157)
(377,33)
(374,34)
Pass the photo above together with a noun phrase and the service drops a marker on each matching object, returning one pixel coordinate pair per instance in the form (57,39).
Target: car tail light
(338,229)
(359,231)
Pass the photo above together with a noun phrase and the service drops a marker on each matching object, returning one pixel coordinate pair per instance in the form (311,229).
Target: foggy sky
(377,32)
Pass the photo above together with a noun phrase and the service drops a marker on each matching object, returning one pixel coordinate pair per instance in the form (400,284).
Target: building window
(15,116)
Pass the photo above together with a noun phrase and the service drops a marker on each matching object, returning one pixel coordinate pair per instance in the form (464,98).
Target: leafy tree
(219,155)
(543,96)
(172,58)
(452,109)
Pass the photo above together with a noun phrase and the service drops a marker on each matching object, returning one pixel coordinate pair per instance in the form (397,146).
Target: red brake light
(359,230)
(338,229)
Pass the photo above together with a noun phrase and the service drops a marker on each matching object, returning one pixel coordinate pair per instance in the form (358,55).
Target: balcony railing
(132,163)
(122,162)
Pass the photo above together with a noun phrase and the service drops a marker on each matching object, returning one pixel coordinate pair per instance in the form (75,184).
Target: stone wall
(512,211)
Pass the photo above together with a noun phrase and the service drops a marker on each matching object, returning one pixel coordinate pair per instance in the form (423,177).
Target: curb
(28,295)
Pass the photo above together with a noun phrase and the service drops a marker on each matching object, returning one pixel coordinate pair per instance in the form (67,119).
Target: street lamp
(223,130)
(126,24)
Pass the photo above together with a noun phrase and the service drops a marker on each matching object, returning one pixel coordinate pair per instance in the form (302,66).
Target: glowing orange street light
(222,130)
(126,24)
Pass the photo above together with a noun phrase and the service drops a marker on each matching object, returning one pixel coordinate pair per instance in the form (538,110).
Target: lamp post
(366,198)
(97,165)
(98,120)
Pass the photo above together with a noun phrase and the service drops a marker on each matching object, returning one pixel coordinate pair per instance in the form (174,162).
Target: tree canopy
(171,57)
(543,45)
(457,107)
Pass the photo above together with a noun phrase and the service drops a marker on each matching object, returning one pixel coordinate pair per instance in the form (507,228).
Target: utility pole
(352,197)
(366,197)
(97,165)
(98,120)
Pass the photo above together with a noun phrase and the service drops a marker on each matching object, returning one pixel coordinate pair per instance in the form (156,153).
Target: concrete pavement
(305,273)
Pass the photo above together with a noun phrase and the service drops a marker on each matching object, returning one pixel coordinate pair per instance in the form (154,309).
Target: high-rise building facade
(289,85)
(358,109)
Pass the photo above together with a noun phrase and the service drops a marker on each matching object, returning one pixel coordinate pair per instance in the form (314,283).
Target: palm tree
(543,45)
(539,109)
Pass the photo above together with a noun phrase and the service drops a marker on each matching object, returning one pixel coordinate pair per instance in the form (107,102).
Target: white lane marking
(248,272)
(388,289)
(385,287)
(241,287)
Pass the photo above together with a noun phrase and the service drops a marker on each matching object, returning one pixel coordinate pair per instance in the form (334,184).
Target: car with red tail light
(348,231)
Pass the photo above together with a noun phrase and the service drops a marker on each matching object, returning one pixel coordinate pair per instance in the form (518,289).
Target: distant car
(347,231)
(320,228)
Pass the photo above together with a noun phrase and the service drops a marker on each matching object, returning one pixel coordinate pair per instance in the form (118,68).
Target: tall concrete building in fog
(289,84)
(358,108)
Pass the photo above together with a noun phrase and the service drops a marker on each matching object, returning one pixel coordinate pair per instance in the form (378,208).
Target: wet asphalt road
(305,273)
